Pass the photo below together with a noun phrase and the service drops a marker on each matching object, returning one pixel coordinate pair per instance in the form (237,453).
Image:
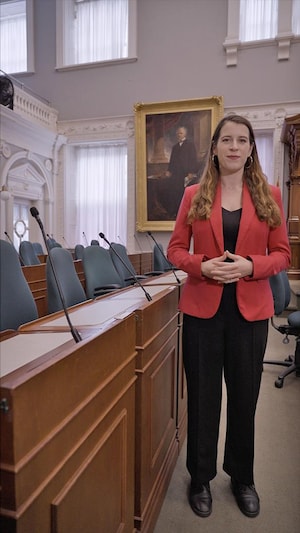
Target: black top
(231,223)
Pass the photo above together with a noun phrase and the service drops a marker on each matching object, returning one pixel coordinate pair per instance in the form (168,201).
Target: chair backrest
(99,270)
(28,254)
(17,304)
(52,243)
(69,281)
(281,291)
(94,242)
(159,261)
(123,272)
(38,248)
(78,251)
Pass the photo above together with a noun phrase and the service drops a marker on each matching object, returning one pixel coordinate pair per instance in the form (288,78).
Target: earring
(249,162)
(215,160)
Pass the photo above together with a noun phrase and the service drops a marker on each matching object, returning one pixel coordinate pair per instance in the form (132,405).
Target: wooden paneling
(36,278)
(67,440)
(156,443)
(291,137)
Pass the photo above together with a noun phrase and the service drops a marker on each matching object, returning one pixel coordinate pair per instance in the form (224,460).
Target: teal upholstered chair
(17,304)
(101,276)
(70,285)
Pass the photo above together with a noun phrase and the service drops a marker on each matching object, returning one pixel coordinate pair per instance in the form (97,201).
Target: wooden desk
(67,436)
(36,279)
(156,341)
(181,396)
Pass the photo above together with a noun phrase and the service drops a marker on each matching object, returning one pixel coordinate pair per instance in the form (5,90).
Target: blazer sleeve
(278,255)
(178,251)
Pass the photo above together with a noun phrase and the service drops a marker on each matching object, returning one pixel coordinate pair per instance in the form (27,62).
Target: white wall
(180,56)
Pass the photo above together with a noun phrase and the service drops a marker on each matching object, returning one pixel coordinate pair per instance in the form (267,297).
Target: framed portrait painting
(172,142)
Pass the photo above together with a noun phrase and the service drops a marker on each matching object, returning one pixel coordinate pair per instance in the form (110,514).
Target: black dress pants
(224,343)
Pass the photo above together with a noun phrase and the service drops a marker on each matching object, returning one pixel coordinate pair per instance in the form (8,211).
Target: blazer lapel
(248,212)
(216,220)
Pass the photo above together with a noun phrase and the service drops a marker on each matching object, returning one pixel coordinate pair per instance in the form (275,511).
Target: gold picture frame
(156,125)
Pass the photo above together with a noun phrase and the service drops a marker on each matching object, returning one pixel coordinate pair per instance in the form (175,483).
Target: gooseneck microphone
(132,273)
(84,236)
(5,233)
(75,333)
(162,253)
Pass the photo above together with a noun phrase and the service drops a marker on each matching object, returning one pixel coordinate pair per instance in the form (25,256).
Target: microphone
(84,236)
(162,253)
(132,274)
(20,255)
(68,246)
(9,238)
(120,240)
(75,333)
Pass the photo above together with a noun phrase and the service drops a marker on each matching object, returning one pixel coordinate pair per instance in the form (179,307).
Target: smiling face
(232,147)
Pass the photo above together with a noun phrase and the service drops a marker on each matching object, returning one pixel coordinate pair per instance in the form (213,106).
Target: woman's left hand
(230,272)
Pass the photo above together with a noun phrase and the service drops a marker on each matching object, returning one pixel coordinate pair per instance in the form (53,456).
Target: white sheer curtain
(264,145)
(100,30)
(13,39)
(258,19)
(296,17)
(100,175)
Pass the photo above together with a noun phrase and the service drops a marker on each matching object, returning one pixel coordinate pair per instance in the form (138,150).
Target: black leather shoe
(246,498)
(200,500)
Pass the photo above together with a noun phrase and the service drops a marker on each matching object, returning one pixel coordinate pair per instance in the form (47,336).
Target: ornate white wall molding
(97,129)
(33,109)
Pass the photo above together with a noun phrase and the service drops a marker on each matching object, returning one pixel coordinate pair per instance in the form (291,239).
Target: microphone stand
(102,236)
(86,241)
(162,253)
(75,333)
(19,254)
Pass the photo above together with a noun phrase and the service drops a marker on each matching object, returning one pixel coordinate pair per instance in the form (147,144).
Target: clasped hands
(227,272)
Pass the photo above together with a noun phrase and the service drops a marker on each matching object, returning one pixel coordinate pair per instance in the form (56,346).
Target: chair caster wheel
(279,383)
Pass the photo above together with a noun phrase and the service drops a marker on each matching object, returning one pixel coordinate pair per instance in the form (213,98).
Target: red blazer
(267,247)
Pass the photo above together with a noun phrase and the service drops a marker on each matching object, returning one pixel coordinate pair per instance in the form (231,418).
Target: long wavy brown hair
(265,206)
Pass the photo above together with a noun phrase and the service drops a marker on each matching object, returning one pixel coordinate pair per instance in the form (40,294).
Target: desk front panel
(181,415)
(156,444)
(67,438)
(36,279)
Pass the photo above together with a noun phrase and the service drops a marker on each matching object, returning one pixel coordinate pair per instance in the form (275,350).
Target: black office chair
(27,253)
(17,305)
(69,281)
(101,276)
(124,272)
(282,293)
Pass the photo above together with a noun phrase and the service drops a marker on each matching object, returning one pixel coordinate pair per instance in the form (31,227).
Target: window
(21,223)
(97,192)
(93,31)
(264,145)
(258,19)
(296,17)
(252,23)
(16,36)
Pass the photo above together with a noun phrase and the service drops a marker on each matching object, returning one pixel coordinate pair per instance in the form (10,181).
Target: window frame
(30,60)
(284,37)
(62,8)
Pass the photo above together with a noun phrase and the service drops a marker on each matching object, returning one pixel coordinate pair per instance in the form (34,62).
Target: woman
(236,221)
